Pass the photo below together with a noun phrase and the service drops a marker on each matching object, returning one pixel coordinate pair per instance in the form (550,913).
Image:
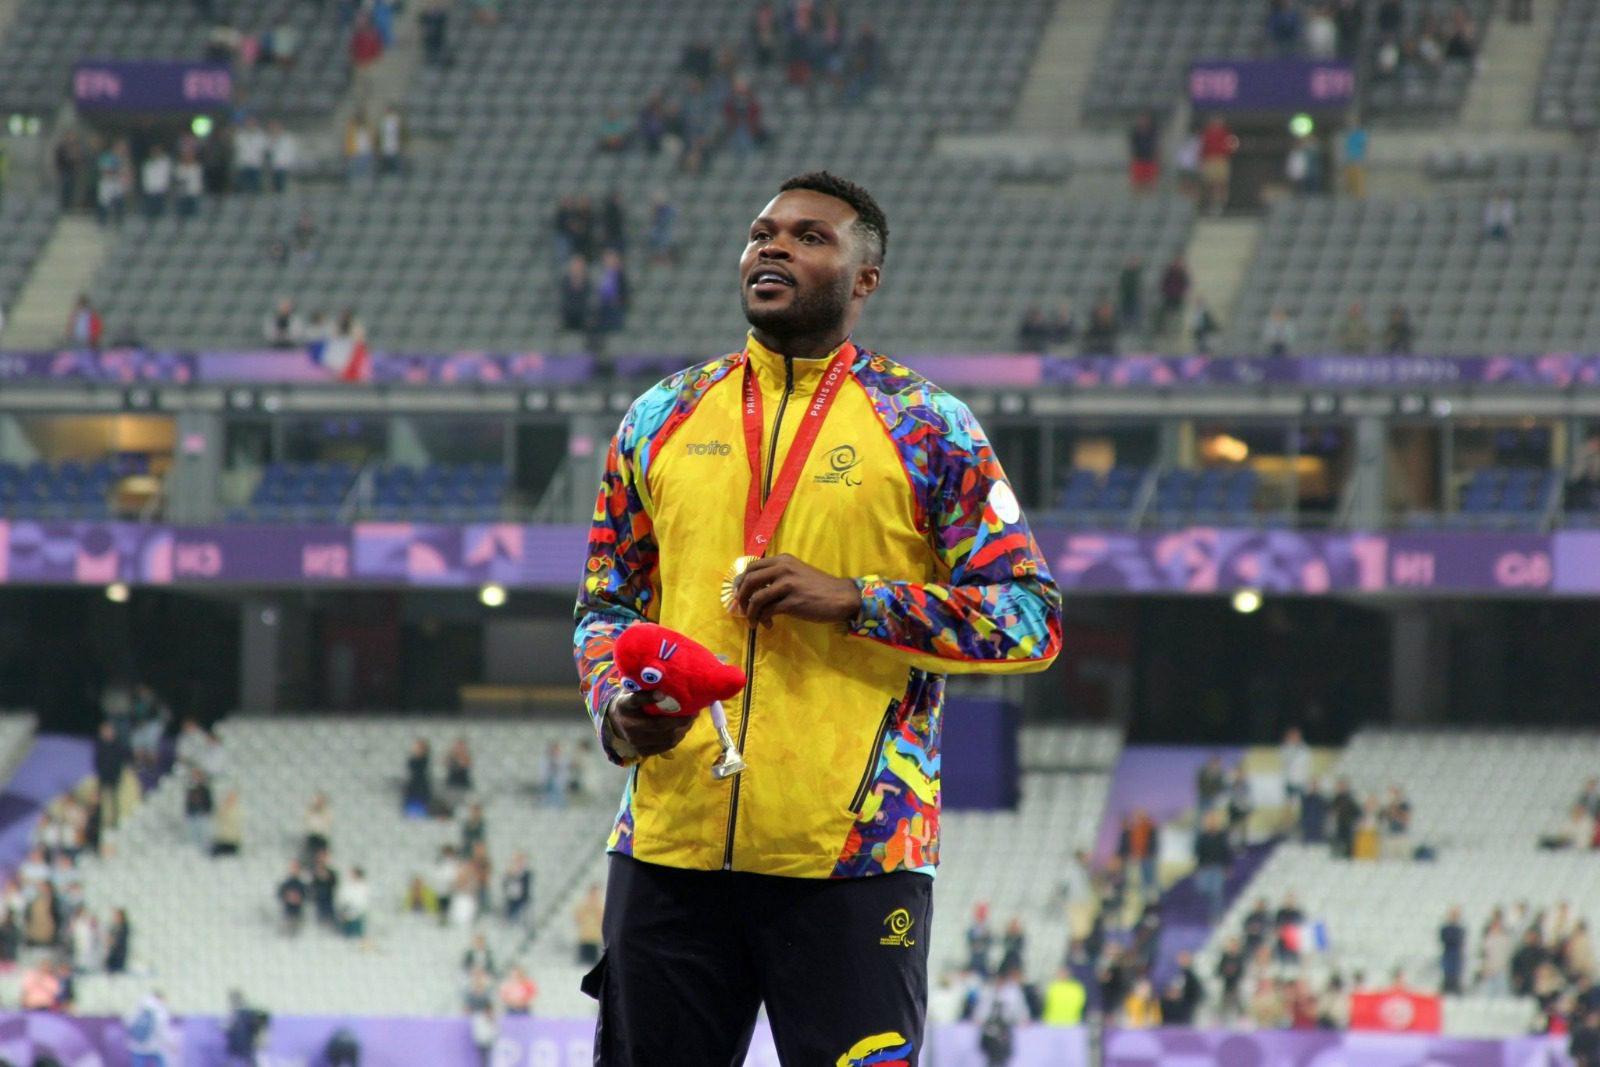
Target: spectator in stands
(1461,43)
(354,899)
(516,888)
(1211,783)
(742,119)
(197,806)
(1452,952)
(1313,819)
(1286,923)
(435,21)
(1034,333)
(1174,291)
(1321,33)
(1355,160)
(39,922)
(478,957)
(446,872)
(458,768)
(484,1027)
(517,992)
(1240,805)
(1530,955)
(1397,824)
(417,800)
(1144,154)
(318,825)
(1576,832)
(463,910)
(1303,166)
(358,145)
(575,296)
(366,48)
(284,327)
(69,168)
(1230,972)
(1141,1010)
(1354,336)
(119,937)
(111,758)
(611,293)
(613,132)
(1064,1000)
(1494,957)
(1584,1044)
(1499,217)
(1294,755)
(227,835)
(1578,955)
(614,223)
(1130,293)
(111,189)
(1137,845)
(1217,147)
(1369,831)
(391,143)
(1012,945)
(283,154)
(587,925)
(556,776)
(324,889)
(1100,339)
(1213,854)
(1203,325)
(663,218)
(250,146)
(155,182)
(1346,814)
(1173,1008)
(1399,336)
(1284,27)
(189,180)
(41,988)
(980,940)
(473,830)
(1278,332)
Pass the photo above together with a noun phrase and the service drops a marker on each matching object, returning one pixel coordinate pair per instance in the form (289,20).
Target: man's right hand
(650,735)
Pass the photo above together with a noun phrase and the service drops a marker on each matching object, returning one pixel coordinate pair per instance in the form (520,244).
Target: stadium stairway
(390,79)
(1052,97)
(1219,255)
(1185,922)
(1504,91)
(65,269)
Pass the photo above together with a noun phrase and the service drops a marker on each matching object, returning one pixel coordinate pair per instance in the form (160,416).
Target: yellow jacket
(840,724)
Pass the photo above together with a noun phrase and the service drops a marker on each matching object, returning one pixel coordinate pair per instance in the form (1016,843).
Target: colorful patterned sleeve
(1000,610)
(619,582)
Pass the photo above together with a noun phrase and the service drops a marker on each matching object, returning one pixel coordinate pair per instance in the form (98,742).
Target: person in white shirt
(1322,35)
(1296,757)
(355,898)
(190,181)
(155,182)
(1499,217)
(152,1037)
(284,151)
(1278,332)
(250,147)
(391,134)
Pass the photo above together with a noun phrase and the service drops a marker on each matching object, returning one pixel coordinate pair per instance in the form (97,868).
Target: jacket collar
(772,367)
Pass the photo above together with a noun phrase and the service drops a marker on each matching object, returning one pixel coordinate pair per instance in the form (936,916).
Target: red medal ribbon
(761,517)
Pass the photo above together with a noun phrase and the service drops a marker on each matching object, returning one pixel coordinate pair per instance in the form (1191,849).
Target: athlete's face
(803,266)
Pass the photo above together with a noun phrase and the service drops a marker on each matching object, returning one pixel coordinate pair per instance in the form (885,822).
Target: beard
(810,312)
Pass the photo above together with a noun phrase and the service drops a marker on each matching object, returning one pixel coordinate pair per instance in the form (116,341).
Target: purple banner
(146,85)
(996,371)
(295,1041)
(1322,1048)
(1196,560)
(1206,560)
(1270,84)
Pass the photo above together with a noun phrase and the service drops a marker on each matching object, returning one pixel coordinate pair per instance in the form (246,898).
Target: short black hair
(870,220)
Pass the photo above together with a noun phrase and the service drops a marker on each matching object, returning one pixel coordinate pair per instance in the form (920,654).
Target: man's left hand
(782,585)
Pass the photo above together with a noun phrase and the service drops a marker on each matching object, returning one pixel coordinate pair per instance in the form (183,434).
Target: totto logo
(709,448)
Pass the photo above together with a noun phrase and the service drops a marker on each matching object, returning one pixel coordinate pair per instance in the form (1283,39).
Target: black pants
(690,956)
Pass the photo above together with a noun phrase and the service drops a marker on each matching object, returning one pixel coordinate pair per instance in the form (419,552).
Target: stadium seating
(48,38)
(25,224)
(1501,498)
(484,207)
(1569,84)
(1481,800)
(203,926)
(1465,293)
(1143,63)
(1208,496)
(1426,93)
(473,492)
(71,490)
(299,492)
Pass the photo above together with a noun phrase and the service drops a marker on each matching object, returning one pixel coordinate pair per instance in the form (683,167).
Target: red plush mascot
(685,676)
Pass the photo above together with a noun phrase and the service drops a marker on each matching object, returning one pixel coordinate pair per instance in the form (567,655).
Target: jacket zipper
(860,797)
(750,641)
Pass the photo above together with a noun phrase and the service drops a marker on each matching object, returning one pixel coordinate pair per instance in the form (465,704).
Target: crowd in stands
(1115,320)
(591,246)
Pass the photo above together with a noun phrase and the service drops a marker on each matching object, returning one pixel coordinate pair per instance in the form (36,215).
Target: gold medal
(730,584)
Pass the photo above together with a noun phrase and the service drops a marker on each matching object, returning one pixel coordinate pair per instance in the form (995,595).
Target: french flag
(344,357)
(1306,937)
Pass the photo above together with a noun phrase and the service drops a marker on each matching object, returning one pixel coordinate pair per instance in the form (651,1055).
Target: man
(902,555)
(1452,952)
(1213,855)
(292,897)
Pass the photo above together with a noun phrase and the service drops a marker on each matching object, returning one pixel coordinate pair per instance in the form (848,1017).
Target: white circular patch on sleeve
(1004,503)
